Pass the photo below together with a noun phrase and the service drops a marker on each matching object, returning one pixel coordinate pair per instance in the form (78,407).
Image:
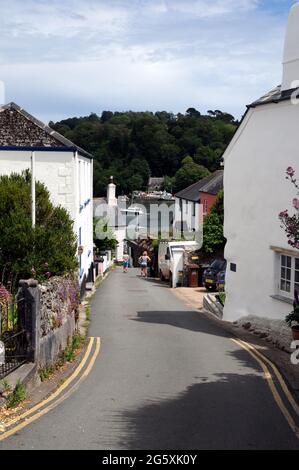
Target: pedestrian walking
(125,263)
(143,261)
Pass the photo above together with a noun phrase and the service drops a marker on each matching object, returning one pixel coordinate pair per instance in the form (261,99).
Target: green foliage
(45,373)
(213,238)
(293,316)
(101,227)
(69,354)
(5,385)
(136,144)
(169,183)
(222,297)
(188,174)
(46,250)
(17,396)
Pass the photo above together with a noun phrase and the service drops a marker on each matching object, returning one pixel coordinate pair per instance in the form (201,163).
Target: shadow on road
(187,320)
(230,411)
(156,282)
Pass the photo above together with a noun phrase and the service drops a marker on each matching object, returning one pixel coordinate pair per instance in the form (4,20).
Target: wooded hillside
(131,146)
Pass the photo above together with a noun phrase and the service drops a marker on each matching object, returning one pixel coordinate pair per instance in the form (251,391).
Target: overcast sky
(62,58)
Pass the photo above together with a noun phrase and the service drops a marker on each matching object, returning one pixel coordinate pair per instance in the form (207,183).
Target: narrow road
(166,378)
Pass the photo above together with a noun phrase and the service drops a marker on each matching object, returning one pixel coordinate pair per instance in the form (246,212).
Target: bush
(17,396)
(46,250)
(213,238)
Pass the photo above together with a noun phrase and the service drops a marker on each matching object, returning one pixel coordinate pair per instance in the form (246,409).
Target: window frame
(284,268)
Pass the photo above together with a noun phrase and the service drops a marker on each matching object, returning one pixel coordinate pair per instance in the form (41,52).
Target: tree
(135,182)
(46,250)
(168,184)
(103,235)
(213,238)
(189,173)
(290,223)
(118,140)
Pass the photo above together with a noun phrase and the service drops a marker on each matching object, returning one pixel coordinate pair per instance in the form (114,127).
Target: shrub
(46,250)
(17,396)
(213,238)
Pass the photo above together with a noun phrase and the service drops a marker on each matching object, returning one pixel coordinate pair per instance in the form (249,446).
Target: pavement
(166,377)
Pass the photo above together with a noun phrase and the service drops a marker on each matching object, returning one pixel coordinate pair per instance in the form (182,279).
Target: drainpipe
(33,203)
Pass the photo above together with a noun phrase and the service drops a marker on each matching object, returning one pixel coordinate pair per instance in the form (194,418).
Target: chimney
(111,199)
(291,51)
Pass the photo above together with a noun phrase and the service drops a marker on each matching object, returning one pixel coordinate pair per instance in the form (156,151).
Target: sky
(64,58)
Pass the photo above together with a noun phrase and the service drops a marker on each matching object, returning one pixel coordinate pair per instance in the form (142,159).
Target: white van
(166,257)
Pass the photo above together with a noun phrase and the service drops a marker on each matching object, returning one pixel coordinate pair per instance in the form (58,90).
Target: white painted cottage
(65,169)
(262,269)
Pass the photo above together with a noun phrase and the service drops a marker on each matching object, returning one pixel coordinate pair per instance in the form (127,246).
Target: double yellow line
(42,408)
(264,362)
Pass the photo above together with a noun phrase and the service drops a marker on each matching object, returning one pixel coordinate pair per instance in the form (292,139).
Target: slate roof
(155,182)
(275,96)
(211,184)
(20,129)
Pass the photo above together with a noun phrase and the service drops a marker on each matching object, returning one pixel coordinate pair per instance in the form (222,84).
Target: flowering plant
(290,223)
(5,296)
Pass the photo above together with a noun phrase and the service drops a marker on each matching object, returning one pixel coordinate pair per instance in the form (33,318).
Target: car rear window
(218,264)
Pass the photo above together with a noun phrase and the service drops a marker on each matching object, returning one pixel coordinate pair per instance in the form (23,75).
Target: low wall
(59,299)
(56,341)
(273,331)
(59,310)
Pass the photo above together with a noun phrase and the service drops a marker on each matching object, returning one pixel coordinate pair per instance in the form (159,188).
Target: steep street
(165,378)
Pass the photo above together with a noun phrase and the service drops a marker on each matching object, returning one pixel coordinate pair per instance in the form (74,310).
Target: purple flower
(290,171)
(296,203)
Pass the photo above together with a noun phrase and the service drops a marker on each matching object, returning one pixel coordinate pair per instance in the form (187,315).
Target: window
(289,275)
(205,206)
(194,209)
(186,207)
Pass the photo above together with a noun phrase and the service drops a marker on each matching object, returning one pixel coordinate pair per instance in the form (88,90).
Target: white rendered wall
(255,191)
(54,169)
(187,214)
(57,170)
(85,213)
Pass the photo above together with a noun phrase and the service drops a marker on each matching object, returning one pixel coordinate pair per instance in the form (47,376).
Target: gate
(13,336)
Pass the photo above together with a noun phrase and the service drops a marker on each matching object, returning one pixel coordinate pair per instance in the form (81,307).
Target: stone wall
(273,331)
(59,299)
(59,310)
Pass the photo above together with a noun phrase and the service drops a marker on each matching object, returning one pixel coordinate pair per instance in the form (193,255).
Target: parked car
(210,274)
(220,282)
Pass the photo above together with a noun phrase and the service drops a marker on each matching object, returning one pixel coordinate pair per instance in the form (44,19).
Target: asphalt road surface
(166,378)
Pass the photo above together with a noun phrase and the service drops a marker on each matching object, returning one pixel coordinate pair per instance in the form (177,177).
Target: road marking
(56,394)
(278,375)
(271,384)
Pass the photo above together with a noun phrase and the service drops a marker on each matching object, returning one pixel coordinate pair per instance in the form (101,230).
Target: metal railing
(14,339)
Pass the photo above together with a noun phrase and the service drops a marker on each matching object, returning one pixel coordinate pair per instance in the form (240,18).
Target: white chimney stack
(291,51)
(111,199)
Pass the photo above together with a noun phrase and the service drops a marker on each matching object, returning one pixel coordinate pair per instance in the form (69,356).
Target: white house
(192,204)
(110,207)
(63,167)
(263,270)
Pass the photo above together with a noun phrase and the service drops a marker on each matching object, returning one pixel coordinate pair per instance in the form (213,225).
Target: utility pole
(33,188)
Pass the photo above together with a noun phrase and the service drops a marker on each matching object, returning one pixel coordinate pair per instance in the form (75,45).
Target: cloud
(207,8)
(73,57)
